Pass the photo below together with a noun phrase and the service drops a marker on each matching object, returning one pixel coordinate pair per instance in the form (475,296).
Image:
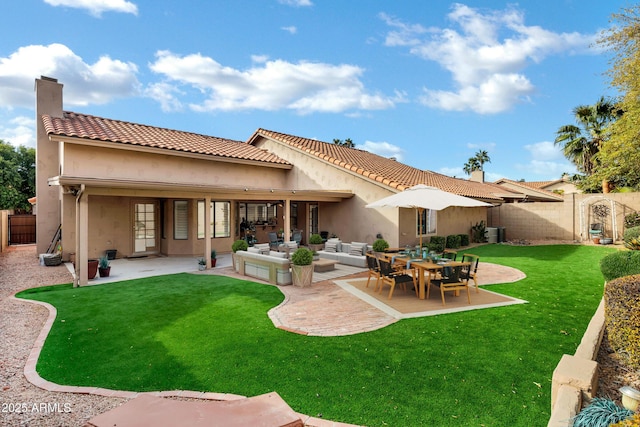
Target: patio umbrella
(423,197)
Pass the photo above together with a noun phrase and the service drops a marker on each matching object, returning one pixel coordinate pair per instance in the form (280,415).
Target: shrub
(315,239)
(453,241)
(437,243)
(477,232)
(214,254)
(380,245)
(302,256)
(632,220)
(464,239)
(239,245)
(632,238)
(600,413)
(103,262)
(620,264)
(622,318)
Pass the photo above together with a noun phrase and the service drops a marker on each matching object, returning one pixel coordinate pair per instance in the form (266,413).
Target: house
(145,190)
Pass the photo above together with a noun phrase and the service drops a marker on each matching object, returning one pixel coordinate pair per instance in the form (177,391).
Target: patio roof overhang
(124,187)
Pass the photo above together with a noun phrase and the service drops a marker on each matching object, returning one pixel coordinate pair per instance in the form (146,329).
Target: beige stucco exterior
(91,187)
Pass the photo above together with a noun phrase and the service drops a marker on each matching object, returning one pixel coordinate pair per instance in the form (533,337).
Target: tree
(346,143)
(17,177)
(476,163)
(581,144)
(620,157)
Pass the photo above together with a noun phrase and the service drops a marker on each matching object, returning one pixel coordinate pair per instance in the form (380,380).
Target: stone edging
(576,377)
(34,378)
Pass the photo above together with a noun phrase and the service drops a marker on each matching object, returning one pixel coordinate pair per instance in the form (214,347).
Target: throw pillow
(253,250)
(358,246)
(278,254)
(330,246)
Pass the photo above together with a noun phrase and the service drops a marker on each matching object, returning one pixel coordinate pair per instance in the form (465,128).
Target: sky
(429,82)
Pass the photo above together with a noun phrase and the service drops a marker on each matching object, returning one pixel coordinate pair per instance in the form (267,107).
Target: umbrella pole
(420,225)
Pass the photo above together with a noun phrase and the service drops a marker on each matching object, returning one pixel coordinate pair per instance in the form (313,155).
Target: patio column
(82,239)
(287,220)
(207,230)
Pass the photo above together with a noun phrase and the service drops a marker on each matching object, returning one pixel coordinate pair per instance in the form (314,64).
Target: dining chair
(456,280)
(297,237)
(473,271)
(450,254)
(393,277)
(374,270)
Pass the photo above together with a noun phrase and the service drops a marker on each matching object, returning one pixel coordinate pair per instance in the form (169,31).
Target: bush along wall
(622,318)
(464,239)
(436,243)
(453,241)
(620,264)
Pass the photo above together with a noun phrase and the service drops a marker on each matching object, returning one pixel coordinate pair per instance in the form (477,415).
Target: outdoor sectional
(273,267)
(346,253)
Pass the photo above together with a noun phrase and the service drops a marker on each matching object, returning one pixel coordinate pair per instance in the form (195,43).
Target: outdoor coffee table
(322,265)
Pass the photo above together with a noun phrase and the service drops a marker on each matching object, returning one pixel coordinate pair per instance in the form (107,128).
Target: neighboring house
(144,190)
(537,191)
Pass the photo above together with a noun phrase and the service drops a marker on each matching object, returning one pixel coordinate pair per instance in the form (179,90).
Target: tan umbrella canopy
(423,197)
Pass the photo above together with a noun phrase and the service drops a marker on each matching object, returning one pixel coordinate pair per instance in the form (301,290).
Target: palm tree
(581,144)
(476,163)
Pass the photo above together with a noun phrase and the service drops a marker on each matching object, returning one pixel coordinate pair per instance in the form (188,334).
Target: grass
(487,367)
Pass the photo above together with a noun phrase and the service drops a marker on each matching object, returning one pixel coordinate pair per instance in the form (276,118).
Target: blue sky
(428,82)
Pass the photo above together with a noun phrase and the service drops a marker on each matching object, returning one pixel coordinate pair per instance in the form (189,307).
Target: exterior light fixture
(630,398)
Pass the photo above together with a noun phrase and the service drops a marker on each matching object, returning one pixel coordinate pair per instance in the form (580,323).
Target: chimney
(48,102)
(477,176)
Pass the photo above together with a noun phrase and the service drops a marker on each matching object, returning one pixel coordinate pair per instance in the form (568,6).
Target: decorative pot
(213,262)
(104,272)
(302,275)
(596,240)
(92,268)
(201,267)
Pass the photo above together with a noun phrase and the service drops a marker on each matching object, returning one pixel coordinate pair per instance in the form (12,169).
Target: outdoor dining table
(425,268)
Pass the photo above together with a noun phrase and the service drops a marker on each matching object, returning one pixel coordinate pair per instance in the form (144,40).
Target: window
(428,222)
(180,220)
(313,219)
(258,213)
(220,219)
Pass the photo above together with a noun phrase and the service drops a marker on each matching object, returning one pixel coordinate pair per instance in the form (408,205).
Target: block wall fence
(568,220)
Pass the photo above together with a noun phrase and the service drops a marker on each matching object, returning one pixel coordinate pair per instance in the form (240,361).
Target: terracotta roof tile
(387,171)
(534,185)
(101,129)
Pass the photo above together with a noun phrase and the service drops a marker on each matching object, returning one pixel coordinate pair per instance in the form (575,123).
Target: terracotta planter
(104,272)
(596,240)
(302,275)
(92,268)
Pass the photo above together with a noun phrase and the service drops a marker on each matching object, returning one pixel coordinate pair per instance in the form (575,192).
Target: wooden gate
(22,229)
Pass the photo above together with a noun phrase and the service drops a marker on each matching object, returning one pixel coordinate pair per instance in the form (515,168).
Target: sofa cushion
(253,250)
(278,254)
(263,248)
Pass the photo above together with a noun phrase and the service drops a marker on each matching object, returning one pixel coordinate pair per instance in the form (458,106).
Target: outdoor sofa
(346,253)
(264,264)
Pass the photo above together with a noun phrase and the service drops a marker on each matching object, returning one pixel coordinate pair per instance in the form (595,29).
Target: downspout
(76,279)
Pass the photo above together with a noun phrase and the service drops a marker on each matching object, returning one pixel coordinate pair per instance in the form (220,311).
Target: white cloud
(20,131)
(84,83)
(291,29)
(296,3)
(273,85)
(166,95)
(486,54)
(454,172)
(482,146)
(547,161)
(97,7)
(383,149)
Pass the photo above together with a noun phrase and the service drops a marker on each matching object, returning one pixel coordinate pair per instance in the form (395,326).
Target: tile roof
(384,170)
(107,130)
(535,186)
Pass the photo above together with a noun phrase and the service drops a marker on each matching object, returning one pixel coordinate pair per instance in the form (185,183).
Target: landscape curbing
(575,379)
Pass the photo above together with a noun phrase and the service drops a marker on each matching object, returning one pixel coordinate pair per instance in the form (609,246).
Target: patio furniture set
(423,271)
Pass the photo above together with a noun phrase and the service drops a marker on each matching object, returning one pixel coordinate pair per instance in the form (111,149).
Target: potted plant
(104,267)
(238,245)
(302,267)
(316,255)
(202,264)
(92,268)
(315,242)
(380,245)
(213,258)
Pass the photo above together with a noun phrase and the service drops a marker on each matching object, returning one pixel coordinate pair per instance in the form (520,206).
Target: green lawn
(487,367)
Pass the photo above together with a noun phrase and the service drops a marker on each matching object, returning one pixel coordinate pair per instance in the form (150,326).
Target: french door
(145,227)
